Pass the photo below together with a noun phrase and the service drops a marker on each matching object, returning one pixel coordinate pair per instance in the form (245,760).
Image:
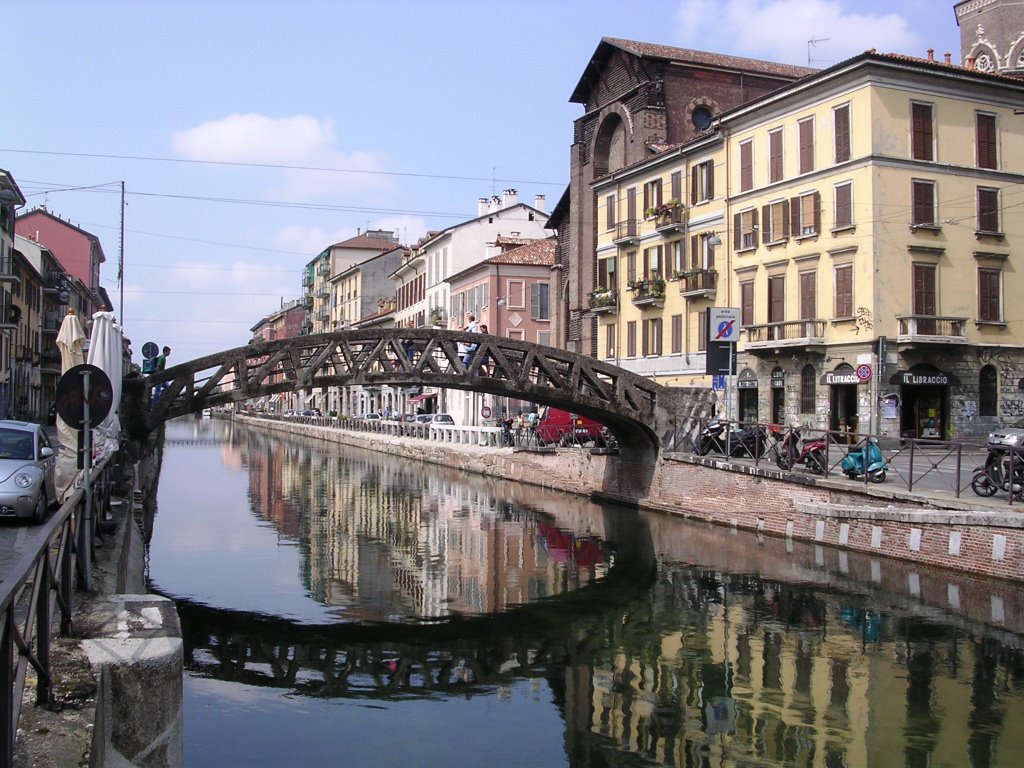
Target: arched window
(988,391)
(807,394)
(610,146)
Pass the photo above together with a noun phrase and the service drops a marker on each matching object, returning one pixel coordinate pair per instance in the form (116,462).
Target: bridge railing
(37,589)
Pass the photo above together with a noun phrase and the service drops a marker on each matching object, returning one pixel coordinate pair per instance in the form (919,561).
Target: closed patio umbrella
(71,343)
(106,354)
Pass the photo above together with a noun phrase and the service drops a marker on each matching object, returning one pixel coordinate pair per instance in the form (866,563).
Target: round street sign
(71,396)
(150,350)
(863,372)
(485,412)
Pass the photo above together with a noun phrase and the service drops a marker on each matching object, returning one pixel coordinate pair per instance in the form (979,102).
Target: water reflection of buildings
(386,540)
(775,675)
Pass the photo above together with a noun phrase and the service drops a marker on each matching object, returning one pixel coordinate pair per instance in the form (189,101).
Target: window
(806,145)
(921,133)
(922,195)
(924,291)
(747,303)
(609,341)
(539,305)
(702,182)
(609,211)
(841,127)
(676,185)
(606,273)
(652,262)
(988,210)
(805,214)
(776,221)
(988,391)
(746,166)
(678,255)
(776,298)
(808,295)
(775,155)
(745,230)
(677,334)
(844,291)
(807,386)
(630,266)
(990,309)
(631,338)
(652,194)
(650,341)
(544,338)
(985,139)
(843,206)
(702,331)
(702,253)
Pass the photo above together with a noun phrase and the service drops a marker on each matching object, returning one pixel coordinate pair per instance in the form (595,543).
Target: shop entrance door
(748,406)
(924,412)
(843,408)
(778,406)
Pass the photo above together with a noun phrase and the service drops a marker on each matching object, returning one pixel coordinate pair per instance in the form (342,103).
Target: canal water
(345,608)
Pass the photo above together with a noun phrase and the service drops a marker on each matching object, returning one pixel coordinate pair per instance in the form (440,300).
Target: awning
(418,398)
(924,375)
(275,398)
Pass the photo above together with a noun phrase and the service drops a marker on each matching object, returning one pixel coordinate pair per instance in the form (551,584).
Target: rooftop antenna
(812,43)
(494,182)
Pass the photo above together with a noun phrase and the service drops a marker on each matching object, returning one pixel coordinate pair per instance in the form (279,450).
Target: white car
(27,465)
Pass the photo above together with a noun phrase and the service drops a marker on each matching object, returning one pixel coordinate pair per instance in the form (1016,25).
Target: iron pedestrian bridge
(644,416)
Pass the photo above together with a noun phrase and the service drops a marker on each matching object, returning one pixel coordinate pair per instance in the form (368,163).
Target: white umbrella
(70,342)
(106,354)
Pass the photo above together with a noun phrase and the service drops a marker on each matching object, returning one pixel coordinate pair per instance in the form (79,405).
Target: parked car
(207,413)
(442,418)
(423,418)
(371,416)
(27,465)
(1007,438)
(312,412)
(557,426)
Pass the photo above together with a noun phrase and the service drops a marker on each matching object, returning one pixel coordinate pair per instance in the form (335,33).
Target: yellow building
(867,215)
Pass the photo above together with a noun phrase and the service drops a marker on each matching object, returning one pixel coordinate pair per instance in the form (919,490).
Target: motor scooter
(793,451)
(751,440)
(865,459)
(714,436)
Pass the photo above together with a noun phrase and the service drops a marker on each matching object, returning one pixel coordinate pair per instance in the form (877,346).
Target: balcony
(627,232)
(307,301)
(323,315)
(648,293)
(604,301)
(50,322)
(307,280)
(7,269)
(698,283)
(931,329)
(805,334)
(324,269)
(324,292)
(669,219)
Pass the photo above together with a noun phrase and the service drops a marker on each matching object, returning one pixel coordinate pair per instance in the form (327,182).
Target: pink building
(79,252)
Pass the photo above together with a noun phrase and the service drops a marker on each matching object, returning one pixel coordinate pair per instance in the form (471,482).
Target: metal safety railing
(914,464)
(38,590)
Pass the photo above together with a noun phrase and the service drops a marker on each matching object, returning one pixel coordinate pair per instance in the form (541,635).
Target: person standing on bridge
(470,349)
(159,363)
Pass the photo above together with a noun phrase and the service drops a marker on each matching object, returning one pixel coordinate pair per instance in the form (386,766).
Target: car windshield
(15,444)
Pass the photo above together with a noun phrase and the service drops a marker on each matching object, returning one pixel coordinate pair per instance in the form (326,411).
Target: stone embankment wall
(878,520)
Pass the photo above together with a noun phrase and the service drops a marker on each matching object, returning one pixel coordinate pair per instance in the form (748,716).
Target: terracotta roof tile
(533,253)
(708,58)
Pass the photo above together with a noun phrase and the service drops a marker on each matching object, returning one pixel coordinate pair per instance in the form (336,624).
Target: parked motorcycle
(995,476)
(749,441)
(865,460)
(713,436)
(792,450)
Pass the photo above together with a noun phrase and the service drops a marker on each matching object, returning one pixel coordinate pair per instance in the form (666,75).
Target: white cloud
(299,140)
(779,30)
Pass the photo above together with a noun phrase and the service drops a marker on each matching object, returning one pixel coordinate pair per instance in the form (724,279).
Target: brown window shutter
(842,134)
(737,232)
(785,221)
(676,185)
(644,340)
(844,207)
(693,185)
(817,212)
(806,146)
(775,156)
(922,131)
(988,210)
(754,225)
(746,166)
(647,198)
(923,203)
(657,192)
(711,179)
(766,216)
(794,216)
(986,140)
(693,251)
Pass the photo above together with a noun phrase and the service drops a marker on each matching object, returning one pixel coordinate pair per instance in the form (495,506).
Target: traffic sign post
(723,333)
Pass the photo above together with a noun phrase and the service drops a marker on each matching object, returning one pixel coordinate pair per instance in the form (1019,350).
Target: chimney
(509,198)
(948,56)
(481,206)
(494,204)
(931,54)
(538,203)
(969,62)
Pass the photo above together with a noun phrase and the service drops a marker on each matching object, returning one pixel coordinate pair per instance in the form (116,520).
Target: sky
(250,135)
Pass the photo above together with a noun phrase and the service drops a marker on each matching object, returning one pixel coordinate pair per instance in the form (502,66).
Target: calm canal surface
(344,608)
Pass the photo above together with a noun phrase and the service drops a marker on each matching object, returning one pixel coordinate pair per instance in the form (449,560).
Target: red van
(557,426)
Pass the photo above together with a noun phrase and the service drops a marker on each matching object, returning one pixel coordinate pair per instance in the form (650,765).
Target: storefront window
(988,391)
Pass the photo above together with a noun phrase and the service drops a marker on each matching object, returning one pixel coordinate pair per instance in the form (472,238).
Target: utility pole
(120,261)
